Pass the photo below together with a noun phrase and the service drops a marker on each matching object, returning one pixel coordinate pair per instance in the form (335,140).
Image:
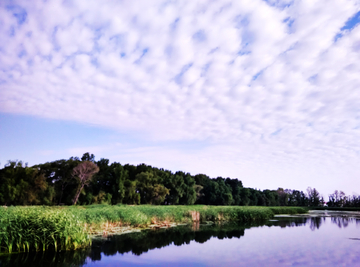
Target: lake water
(317,239)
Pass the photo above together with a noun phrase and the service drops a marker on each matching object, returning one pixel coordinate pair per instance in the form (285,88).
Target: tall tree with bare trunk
(83,173)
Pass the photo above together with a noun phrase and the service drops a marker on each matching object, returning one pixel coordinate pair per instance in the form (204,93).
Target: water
(317,239)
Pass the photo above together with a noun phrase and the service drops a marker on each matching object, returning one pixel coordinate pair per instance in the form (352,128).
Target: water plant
(31,228)
(40,228)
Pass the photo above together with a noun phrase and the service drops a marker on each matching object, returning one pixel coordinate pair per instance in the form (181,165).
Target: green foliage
(52,183)
(59,175)
(23,185)
(217,192)
(131,196)
(189,195)
(151,191)
(40,228)
(288,210)
(244,195)
(25,229)
(236,187)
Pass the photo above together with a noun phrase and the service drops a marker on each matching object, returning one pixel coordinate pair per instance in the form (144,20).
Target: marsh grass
(288,210)
(24,229)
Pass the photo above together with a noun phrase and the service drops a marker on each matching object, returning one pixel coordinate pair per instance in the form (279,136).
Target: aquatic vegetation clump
(288,210)
(24,229)
(234,213)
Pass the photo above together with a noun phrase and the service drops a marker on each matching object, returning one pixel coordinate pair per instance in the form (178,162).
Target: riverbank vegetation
(68,182)
(136,243)
(31,228)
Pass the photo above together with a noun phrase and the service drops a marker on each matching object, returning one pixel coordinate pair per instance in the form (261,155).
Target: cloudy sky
(264,91)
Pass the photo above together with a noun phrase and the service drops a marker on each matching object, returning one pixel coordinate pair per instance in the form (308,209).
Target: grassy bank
(65,228)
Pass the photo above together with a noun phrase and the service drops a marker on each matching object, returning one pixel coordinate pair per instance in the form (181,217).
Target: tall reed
(24,229)
(40,228)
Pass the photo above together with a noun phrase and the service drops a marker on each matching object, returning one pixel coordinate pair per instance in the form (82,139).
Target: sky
(264,91)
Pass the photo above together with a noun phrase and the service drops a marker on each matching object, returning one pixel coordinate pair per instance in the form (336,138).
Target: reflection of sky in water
(319,242)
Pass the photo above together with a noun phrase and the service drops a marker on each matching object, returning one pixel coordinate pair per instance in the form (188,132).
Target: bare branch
(84,172)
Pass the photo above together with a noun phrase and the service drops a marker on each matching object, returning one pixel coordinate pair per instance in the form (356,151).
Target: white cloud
(266,74)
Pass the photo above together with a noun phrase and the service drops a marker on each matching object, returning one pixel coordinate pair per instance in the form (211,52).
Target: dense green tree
(202,182)
(151,192)
(108,183)
(225,196)
(283,197)
(176,185)
(118,178)
(88,157)
(23,185)
(58,175)
(271,197)
(181,186)
(199,193)
(298,198)
(216,192)
(189,195)
(236,186)
(202,179)
(144,168)
(131,195)
(52,183)
(253,197)
(131,170)
(210,191)
(245,196)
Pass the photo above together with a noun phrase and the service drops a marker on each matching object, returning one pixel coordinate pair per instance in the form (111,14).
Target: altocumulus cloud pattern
(254,79)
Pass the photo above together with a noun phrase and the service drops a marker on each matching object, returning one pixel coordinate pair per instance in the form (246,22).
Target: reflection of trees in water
(141,242)
(137,243)
(340,221)
(49,258)
(289,222)
(344,221)
(315,222)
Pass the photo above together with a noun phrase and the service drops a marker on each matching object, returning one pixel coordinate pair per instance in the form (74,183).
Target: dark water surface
(318,239)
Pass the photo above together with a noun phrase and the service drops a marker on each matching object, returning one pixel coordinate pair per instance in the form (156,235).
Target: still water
(317,239)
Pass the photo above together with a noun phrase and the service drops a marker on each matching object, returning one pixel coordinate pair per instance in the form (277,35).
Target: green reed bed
(40,228)
(288,210)
(144,215)
(65,228)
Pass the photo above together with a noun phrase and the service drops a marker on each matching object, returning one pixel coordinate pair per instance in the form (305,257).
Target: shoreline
(33,228)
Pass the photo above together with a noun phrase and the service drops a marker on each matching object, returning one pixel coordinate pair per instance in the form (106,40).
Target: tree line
(85,181)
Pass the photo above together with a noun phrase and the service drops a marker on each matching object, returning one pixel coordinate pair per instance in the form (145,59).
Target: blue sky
(264,91)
